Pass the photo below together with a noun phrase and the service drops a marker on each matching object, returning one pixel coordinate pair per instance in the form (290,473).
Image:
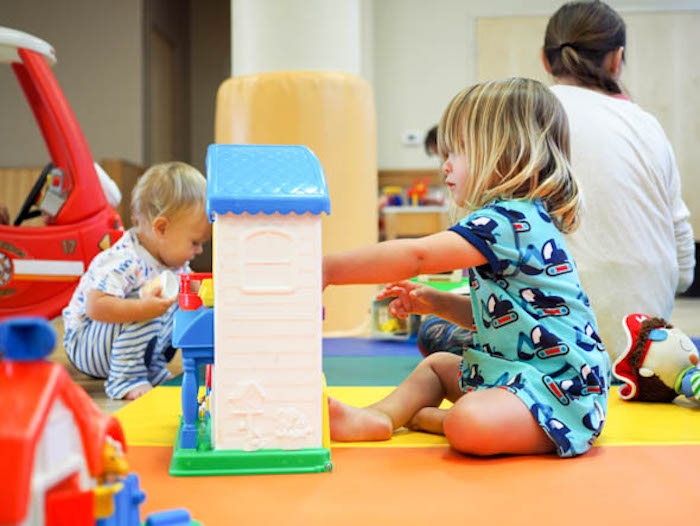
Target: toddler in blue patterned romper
(113,332)
(535,377)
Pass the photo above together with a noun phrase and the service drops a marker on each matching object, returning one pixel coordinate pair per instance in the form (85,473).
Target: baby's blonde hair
(166,189)
(515,136)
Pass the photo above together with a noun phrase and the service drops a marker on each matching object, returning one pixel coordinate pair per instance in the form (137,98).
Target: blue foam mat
(368,347)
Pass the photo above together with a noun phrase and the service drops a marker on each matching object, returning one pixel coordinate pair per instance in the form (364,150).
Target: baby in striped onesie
(112,331)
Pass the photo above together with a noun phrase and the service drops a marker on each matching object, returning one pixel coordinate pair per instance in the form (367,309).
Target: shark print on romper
(535,332)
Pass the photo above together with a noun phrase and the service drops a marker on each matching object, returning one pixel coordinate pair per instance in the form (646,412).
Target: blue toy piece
(658,335)
(193,332)
(26,338)
(179,517)
(126,504)
(265,178)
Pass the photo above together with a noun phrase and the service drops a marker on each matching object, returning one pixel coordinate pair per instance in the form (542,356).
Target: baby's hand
(411,298)
(154,303)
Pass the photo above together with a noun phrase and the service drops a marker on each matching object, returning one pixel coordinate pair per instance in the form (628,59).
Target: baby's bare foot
(352,424)
(138,391)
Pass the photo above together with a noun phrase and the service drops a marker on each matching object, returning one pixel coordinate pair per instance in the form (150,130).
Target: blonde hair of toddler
(515,136)
(167,189)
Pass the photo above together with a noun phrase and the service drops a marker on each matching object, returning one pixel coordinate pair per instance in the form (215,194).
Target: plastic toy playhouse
(267,411)
(40,265)
(62,459)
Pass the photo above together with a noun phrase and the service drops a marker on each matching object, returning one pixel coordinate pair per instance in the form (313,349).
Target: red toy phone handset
(188,300)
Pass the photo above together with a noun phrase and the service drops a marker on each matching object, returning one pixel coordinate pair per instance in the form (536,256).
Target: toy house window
(269,262)
(59,452)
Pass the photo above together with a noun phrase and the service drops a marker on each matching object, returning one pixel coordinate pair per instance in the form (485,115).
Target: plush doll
(660,363)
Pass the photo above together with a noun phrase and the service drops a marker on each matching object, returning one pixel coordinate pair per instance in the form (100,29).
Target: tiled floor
(686,316)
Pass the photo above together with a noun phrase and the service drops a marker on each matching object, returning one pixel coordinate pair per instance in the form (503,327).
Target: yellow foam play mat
(153,419)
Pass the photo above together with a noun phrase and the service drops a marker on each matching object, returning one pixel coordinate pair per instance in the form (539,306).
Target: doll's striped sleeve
(688,383)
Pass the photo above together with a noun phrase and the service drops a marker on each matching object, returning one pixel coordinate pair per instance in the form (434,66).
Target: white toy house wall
(59,454)
(267,331)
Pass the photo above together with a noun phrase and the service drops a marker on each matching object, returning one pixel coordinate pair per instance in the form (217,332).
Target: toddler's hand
(411,298)
(154,303)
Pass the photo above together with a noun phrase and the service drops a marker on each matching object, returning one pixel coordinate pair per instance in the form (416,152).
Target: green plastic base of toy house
(205,461)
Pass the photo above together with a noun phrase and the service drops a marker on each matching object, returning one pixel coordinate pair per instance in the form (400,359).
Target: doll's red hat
(622,368)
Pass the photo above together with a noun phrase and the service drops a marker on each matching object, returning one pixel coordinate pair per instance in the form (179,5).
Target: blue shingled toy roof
(265,178)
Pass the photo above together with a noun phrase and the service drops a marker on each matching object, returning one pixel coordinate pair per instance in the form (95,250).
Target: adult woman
(635,247)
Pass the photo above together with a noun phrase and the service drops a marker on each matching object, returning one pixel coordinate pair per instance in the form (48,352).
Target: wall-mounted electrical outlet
(412,138)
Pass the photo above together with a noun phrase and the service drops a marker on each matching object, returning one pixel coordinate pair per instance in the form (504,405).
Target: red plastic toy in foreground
(63,460)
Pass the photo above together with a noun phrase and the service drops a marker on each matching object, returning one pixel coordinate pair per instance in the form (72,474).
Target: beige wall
(167,80)
(295,35)
(661,74)
(421,59)
(426,51)
(416,54)
(210,65)
(98,44)
(103,61)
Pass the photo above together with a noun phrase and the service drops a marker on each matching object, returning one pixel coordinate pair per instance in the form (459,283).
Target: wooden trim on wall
(125,174)
(406,177)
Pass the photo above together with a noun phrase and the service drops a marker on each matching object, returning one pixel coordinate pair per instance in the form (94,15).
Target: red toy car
(40,265)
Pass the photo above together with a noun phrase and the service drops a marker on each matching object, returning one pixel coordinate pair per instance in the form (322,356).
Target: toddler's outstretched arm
(415,298)
(400,259)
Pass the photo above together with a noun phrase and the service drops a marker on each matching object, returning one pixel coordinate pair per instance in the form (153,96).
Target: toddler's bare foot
(428,419)
(352,424)
(138,391)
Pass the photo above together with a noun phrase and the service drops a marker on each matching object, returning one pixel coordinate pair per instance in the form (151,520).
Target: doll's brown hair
(649,389)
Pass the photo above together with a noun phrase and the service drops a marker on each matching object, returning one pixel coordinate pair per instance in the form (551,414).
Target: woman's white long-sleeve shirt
(635,248)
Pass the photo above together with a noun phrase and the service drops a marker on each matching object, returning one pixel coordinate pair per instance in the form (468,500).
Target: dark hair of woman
(430,143)
(578,38)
